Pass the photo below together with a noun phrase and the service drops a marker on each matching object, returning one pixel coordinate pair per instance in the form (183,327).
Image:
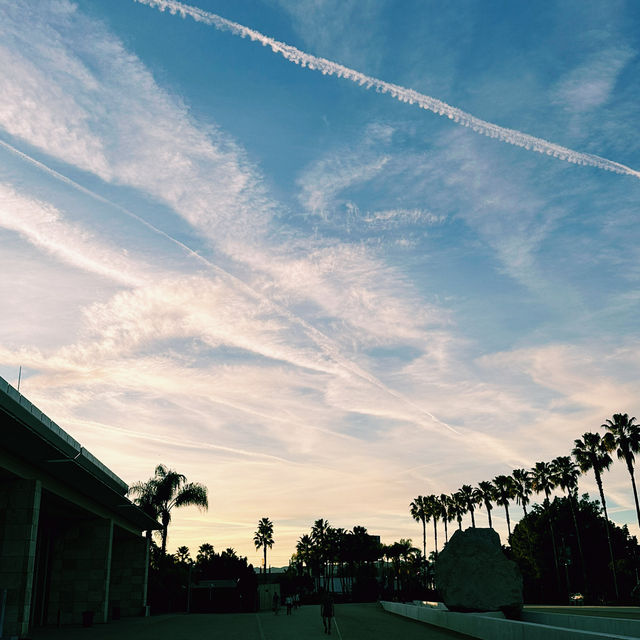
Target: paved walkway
(352,622)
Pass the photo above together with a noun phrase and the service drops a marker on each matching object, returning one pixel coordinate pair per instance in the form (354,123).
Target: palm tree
(263,537)
(433,511)
(418,510)
(457,507)
(592,454)
(487,493)
(469,499)
(543,479)
(566,473)
(182,555)
(205,553)
(304,549)
(166,490)
(446,514)
(626,433)
(522,486)
(505,491)
(319,532)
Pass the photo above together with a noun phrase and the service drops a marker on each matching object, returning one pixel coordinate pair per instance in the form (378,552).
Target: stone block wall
(80,572)
(20,506)
(129,562)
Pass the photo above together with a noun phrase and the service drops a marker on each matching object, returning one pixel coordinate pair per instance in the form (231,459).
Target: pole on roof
(19,376)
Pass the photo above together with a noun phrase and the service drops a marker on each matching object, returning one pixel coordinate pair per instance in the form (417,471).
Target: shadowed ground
(354,622)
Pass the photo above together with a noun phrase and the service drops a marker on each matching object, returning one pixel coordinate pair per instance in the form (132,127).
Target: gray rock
(473,574)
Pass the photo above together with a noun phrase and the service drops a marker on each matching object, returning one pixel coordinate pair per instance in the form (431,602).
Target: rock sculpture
(473,574)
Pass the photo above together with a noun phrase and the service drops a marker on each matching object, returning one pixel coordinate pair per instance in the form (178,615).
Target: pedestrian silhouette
(276,603)
(327,611)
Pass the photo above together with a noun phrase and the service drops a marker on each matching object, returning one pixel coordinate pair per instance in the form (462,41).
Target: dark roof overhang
(30,435)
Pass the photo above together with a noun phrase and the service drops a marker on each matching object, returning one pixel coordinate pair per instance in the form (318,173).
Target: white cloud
(589,85)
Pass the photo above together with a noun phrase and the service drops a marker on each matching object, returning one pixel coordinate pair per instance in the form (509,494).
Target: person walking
(327,611)
(289,602)
(276,603)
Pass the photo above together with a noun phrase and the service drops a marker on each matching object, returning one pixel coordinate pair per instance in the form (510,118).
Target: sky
(322,256)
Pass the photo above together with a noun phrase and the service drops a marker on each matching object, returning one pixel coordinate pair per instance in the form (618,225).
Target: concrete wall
(488,627)
(20,506)
(595,624)
(129,563)
(80,572)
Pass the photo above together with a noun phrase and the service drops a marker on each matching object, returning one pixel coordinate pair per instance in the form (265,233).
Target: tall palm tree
(566,473)
(626,433)
(418,510)
(319,532)
(167,490)
(263,538)
(487,493)
(505,491)
(457,507)
(469,499)
(434,511)
(304,549)
(543,480)
(592,454)
(522,485)
(446,514)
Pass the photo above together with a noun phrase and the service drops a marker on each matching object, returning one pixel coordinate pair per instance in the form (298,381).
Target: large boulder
(473,574)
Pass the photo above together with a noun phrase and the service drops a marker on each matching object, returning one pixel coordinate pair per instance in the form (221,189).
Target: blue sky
(317,299)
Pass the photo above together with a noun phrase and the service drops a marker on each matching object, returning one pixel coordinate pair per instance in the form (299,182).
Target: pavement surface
(352,622)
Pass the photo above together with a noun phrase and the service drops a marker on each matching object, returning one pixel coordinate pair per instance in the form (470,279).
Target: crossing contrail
(325,344)
(327,67)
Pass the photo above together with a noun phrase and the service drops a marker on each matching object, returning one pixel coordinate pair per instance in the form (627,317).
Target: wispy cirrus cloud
(53,96)
(589,85)
(45,227)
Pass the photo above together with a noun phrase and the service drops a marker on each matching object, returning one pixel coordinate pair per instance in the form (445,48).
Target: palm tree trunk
(506,510)
(635,491)
(524,508)
(459,523)
(606,522)
(579,540)
(435,535)
(165,531)
(446,533)
(489,516)
(264,571)
(473,520)
(553,540)
(424,551)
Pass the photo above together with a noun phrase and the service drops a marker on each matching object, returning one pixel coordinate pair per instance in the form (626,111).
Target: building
(71,543)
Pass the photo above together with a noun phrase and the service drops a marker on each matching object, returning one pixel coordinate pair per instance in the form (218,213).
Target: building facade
(71,543)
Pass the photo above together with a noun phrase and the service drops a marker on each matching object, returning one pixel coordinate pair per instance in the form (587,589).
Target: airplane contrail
(403,94)
(325,343)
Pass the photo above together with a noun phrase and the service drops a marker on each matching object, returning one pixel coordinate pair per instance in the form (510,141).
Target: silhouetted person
(327,611)
(289,602)
(276,603)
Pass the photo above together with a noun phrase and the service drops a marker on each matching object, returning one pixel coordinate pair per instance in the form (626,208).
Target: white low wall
(489,627)
(619,626)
